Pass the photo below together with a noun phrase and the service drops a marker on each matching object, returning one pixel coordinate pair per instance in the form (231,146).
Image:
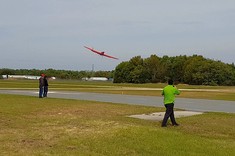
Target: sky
(43,34)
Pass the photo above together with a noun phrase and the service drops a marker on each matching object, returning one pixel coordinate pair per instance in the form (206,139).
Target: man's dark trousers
(169,113)
(40,92)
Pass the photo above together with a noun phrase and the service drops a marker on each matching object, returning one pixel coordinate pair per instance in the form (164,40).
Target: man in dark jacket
(45,86)
(41,85)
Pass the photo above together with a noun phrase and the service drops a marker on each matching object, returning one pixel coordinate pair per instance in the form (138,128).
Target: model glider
(100,53)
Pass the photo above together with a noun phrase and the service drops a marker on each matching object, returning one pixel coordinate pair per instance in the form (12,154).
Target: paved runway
(200,105)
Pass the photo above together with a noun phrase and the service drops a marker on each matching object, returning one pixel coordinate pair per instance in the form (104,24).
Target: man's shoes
(163,125)
(175,124)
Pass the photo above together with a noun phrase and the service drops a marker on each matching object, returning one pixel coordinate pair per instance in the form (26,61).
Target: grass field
(33,126)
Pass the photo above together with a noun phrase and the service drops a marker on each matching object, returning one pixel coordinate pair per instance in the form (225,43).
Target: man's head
(42,75)
(170,82)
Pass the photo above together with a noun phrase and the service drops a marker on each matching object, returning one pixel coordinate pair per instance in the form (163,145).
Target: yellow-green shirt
(169,93)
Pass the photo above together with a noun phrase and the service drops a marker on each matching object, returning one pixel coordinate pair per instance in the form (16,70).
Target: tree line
(195,70)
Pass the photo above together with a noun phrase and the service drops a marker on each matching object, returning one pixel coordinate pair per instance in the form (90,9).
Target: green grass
(32,126)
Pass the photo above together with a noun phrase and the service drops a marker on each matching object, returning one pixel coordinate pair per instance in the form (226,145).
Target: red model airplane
(100,53)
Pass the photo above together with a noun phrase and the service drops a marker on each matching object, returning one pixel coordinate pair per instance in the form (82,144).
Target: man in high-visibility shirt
(169,93)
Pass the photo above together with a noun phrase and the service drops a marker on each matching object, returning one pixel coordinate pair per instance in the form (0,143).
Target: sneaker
(163,125)
(176,124)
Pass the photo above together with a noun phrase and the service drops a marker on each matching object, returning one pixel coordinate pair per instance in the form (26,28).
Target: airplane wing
(110,56)
(95,51)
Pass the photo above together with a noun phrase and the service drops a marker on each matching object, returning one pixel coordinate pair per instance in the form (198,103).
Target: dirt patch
(159,115)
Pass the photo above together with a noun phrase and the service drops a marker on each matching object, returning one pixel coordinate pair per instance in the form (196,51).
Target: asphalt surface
(200,105)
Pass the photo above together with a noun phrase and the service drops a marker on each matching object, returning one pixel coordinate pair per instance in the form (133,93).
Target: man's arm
(177,92)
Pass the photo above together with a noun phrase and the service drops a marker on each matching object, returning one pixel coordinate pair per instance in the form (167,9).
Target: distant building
(20,77)
(95,79)
(53,78)
(29,77)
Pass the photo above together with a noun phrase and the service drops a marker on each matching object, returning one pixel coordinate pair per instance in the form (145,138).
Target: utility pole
(92,70)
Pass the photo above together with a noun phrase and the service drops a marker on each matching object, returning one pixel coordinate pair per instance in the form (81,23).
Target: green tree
(121,72)
(152,68)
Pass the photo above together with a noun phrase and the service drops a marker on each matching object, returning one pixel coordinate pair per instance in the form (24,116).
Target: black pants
(41,91)
(45,91)
(169,113)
